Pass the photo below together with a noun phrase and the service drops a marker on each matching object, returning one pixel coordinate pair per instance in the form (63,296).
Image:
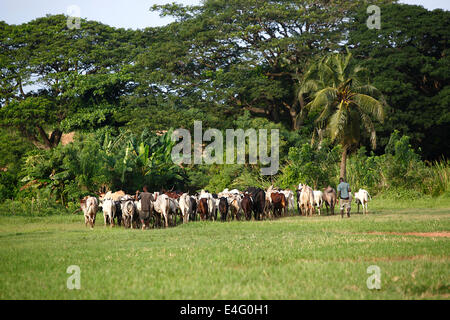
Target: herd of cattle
(124,209)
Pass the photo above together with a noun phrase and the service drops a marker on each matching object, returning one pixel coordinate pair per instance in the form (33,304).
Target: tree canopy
(229,63)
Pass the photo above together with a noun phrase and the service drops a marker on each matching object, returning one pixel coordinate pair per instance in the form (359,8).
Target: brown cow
(278,203)
(246,205)
(203,208)
(173,194)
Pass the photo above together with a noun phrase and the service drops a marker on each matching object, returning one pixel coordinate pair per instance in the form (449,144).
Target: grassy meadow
(291,258)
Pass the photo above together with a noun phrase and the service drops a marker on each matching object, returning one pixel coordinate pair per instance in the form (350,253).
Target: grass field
(290,258)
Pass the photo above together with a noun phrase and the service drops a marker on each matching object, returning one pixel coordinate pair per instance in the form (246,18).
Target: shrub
(316,167)
(37,207)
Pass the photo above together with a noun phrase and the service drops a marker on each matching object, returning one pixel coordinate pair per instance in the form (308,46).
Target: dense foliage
(311,69)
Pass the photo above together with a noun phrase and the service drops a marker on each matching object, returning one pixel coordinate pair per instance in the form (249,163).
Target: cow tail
(88,210)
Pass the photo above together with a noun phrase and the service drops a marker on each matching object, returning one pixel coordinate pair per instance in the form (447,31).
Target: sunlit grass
(290,258)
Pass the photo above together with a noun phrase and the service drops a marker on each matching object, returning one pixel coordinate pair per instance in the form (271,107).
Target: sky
(132,14)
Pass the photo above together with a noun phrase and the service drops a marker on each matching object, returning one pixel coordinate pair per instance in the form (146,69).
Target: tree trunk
(344,163)
(49,142)
(294,116)
(293,113)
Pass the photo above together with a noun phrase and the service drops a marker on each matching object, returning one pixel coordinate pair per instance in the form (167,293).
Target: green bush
(399,173)
(315,166)
(35,207)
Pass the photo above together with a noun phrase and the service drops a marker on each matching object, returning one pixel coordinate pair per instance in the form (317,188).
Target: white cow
(166,206)
(89,205)
(318,200)
(185,206)
(109,211)
(362,197)
(289,195)
(306,200)
(128,211)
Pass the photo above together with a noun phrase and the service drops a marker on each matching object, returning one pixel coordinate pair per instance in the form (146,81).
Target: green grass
(290,258)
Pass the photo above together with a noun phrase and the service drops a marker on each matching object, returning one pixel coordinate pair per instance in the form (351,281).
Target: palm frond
(337,123)
(368,125)
(370,105)
(322,99)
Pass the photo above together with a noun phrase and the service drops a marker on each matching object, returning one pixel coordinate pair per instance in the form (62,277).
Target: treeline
(231,64)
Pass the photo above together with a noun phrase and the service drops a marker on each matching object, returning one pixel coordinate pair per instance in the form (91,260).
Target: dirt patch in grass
(440,234)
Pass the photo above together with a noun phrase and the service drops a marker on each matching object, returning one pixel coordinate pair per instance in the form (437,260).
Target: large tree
(248,54)
(55,79)
(410,64)
(345,101)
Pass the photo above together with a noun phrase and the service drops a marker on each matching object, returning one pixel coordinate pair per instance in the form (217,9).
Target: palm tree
(344,102)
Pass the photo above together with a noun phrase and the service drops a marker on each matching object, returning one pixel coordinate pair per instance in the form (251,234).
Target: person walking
(146,207)
(344,193)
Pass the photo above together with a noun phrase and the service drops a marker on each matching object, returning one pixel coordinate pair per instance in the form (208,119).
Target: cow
(212,209)
(278,203)
(211,202)
(116,196)
(318,200)
(143,202)
(129,216)
(330,198)
(268,204)
(185,206)
(247,205)
(259,202)
(109,211)
(306,200)
(193,208)
(116,199)
(203,208)
(235,207)
(89,205)
(362,197)
(172,194)
(223,208)
(235,192)
(173,209)
(162,208)
(289,199)
(118,212)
